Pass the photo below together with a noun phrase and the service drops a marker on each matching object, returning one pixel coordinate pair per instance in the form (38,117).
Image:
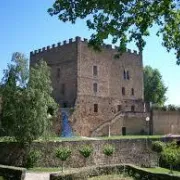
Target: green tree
(63,153)
(25,103)
(154,88)
(125,21)
(158,147)
(171,155)
(85,151)
(108,150)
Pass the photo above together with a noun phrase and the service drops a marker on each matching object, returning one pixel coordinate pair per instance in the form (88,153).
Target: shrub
(32,158)
(108,150)
(63,153)
(171,155)
(158,146)
(86,151)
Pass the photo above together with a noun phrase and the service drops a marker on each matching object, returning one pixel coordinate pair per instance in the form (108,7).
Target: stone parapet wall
(126,151)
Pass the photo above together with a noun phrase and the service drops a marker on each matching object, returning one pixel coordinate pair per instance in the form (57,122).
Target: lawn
(111,177)
(161,170)
(79,138)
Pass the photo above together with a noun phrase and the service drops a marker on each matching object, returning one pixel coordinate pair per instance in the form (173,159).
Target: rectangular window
(63,89)
(95,107)
(58,73)
(132,92)
(95,72)
(119,107)
(128,77)
(123,91)
(124,74)
(132,108)
(95,87)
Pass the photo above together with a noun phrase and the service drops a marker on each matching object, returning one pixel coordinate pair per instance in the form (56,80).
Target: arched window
(123,91)
(132,91)
(95,87)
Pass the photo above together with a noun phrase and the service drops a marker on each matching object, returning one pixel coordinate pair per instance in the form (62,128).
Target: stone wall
(126,151)
(110,76)
(62,59)
(166,122)
(73,79)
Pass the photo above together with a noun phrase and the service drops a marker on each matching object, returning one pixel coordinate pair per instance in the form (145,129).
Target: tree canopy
(154,88)
(26,98)
(124,20)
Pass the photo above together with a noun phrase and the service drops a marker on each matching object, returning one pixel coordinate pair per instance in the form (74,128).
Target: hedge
(133,171)
(12,173)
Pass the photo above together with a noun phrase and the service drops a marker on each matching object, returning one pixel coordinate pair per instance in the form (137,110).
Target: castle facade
(97,85)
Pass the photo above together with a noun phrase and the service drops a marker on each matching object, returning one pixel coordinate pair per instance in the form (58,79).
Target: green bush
(86,151)
(63,153)
(158,146)
(171,155)
(108,150)
(32,158)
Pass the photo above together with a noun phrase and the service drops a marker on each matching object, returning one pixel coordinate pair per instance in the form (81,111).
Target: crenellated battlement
(76,39)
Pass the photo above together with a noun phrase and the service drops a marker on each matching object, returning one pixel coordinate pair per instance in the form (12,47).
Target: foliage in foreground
(124,21)
(26,98)
(169,153)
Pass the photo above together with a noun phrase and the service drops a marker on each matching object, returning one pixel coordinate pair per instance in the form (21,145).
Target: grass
(132,137)
(111,177)
(43,169)
(161,170)
(1,178)
(79,138)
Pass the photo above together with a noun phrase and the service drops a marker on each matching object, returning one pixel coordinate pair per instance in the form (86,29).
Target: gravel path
(36,176)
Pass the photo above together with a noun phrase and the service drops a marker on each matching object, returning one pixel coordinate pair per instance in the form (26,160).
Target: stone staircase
(118,117)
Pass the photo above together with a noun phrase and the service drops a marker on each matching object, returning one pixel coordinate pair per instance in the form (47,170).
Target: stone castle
(106,93)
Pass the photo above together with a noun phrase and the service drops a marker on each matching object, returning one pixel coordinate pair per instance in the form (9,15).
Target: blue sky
(26,26)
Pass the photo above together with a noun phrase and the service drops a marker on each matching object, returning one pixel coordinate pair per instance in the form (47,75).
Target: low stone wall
(133,171)
(131,151)
(12,173)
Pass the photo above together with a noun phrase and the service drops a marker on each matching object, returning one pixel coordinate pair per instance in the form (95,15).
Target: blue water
(66,128)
